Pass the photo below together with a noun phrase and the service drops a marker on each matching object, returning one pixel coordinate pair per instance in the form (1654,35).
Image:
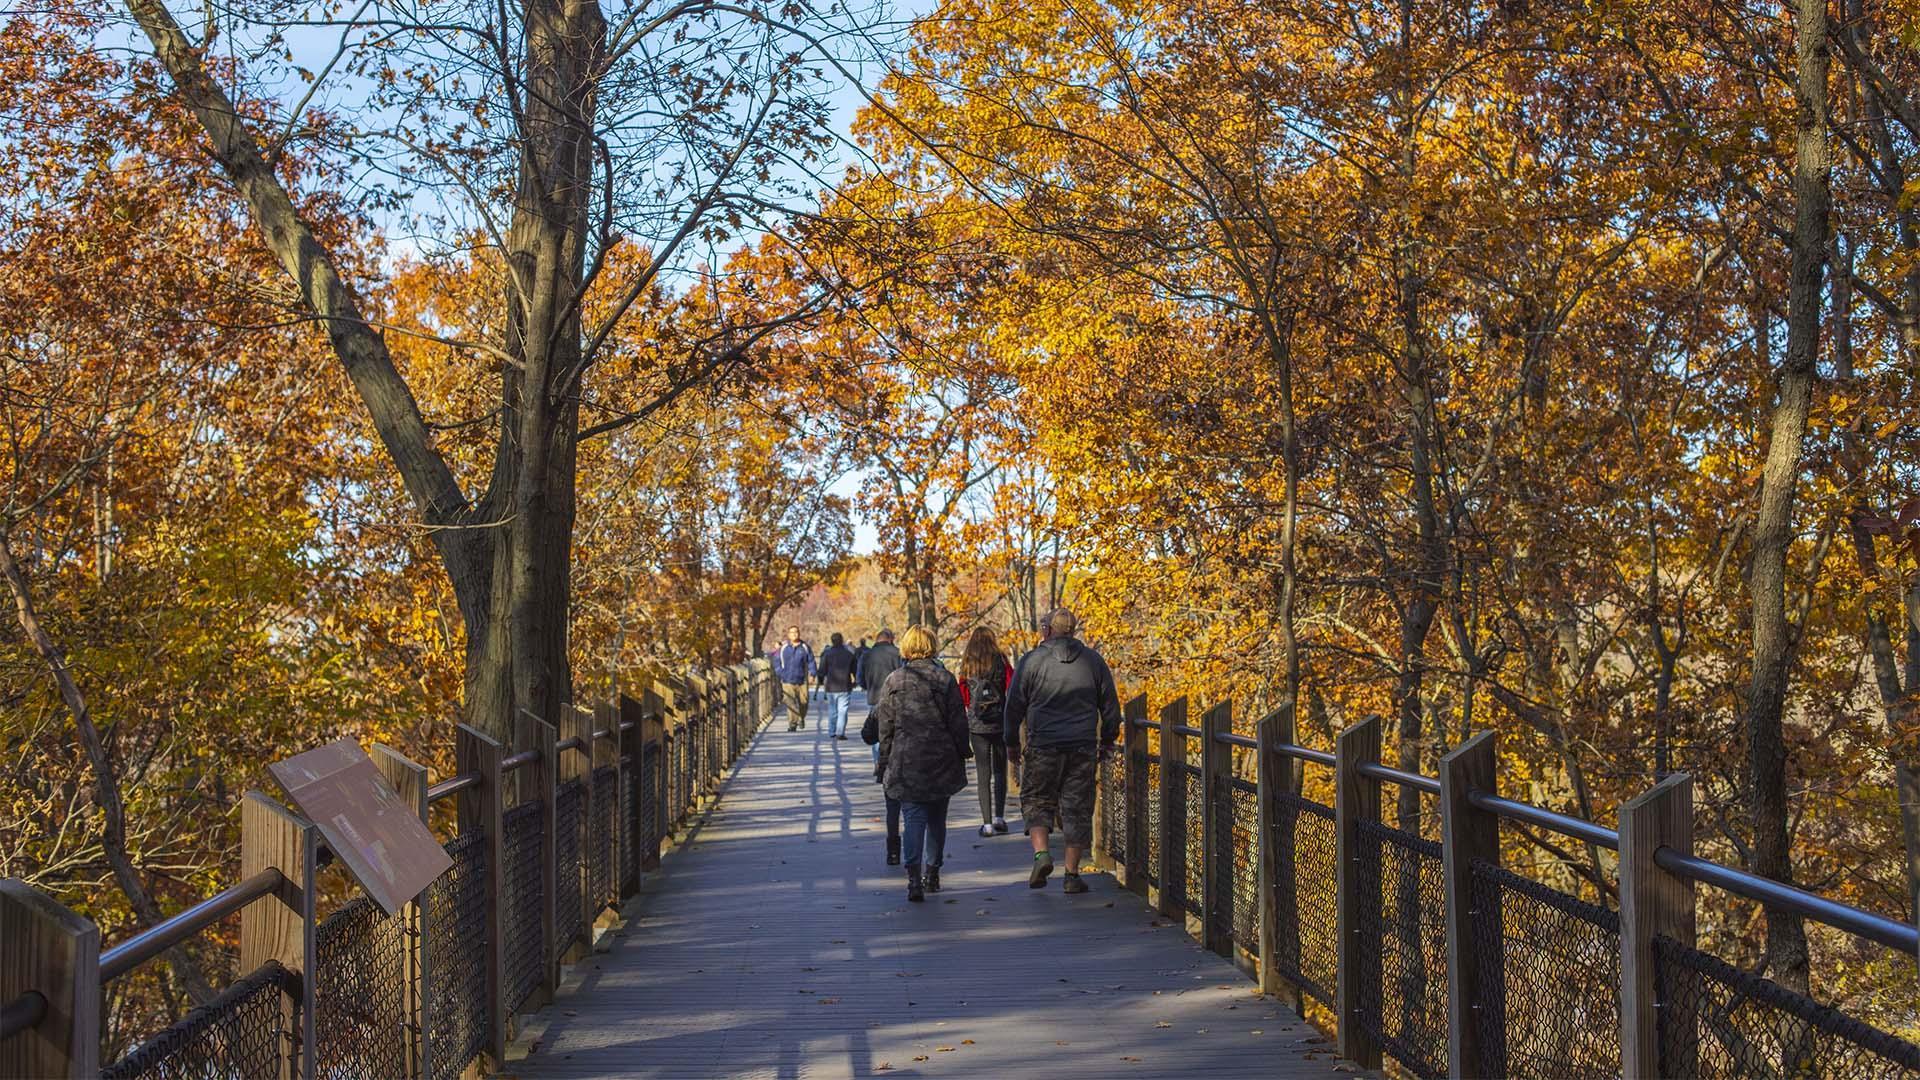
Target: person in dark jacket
(923,754)
(859,657)
(1064,700)
(985,676)
(793,664)
(881,661)
(836,682)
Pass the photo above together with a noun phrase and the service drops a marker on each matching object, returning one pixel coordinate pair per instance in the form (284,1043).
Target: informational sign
(381,839)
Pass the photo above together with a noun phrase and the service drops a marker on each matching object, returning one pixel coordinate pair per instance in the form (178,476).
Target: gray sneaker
(1042,866)
(1073,884)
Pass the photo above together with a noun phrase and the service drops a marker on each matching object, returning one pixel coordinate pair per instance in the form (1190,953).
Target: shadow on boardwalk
(778,943)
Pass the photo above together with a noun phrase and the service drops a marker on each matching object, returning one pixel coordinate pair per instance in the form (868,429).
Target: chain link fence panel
(1306,943)
(1549,967)
(602,828)
(522,900)
(360,1006)
(456,921)
(1245,797)
(569,817)
(1716,1022)
(240,1033)
(1403,984)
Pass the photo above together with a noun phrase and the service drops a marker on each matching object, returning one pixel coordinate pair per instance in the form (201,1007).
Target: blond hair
(917,643)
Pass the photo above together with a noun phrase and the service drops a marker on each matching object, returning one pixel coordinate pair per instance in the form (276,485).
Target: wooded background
(1529,366)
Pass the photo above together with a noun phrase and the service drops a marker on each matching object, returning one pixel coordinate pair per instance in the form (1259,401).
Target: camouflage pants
(1057,785)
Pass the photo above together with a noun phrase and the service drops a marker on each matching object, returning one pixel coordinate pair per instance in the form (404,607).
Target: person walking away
(836,682)
(923,754)
(881,661)
(793,665)
(985,676)
(1064,700)
(859,657)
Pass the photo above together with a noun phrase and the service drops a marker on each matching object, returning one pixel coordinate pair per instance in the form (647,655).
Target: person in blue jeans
(836,682)
(924,747)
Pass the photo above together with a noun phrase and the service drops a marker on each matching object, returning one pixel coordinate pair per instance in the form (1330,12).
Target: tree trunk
(510,576)
(1786,945)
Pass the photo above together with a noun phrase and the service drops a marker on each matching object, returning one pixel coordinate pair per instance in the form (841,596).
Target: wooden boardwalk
(778,943)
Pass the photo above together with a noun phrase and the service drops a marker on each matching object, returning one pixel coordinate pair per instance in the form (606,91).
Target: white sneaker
(987,829)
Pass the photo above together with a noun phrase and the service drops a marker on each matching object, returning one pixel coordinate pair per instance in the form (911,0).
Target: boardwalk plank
(778,944)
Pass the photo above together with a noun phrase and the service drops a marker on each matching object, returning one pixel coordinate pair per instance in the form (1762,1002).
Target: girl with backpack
(985,676)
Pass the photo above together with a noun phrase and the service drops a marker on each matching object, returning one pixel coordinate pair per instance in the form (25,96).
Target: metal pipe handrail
(164,935)
(1776,894)
(1428,784)
(1551,820)
(571,742)
(1231,739)
(1304,753)
(452,785)
(520,760)
(603,734)
(22,1013)
(1182,729)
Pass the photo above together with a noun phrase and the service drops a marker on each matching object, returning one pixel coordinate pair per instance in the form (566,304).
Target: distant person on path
(985,676)
(923,753)
(1064,699)
(836,682)
(881,661)
(793,665)
(859,657)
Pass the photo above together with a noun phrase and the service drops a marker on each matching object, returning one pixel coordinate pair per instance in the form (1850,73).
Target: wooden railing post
(577,765)
(479,812)
(1652,903)
(50,951)
(1216,830)
(1279,892)
(409,780)
(1133,742)
(1468,833)
(1356,798)
(632,796)
(1173,811)
(281,926)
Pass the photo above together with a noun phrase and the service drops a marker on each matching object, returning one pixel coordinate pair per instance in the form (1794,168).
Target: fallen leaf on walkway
(922,1057)
(883,1066)
(829,1001)
(966,1042)
(945,1049)
(1124,1057)
(1162,1024)
(1256,1031)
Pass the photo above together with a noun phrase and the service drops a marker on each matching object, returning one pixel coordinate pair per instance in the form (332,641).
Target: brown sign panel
(381,839)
